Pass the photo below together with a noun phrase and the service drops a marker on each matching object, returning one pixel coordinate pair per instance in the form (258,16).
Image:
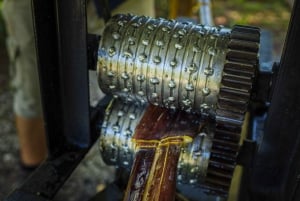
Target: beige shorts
(22,54)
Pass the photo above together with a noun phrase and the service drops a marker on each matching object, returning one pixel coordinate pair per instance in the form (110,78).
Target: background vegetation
(272,15)
(2,29)
(269,14)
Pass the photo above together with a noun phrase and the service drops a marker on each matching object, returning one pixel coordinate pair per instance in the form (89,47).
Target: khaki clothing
(23,65)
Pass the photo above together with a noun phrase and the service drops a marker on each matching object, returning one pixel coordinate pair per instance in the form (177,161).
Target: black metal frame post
(62,59)
(276,174)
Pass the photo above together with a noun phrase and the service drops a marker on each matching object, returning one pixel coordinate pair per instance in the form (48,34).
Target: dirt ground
(89,176)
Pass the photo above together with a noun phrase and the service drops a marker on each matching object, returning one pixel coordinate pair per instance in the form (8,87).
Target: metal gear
(235,91)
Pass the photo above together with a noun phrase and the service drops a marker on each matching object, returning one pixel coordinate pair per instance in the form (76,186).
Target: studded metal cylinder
(117,148)
(164,62)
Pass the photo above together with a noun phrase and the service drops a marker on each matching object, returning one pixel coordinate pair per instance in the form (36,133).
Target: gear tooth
(220,174)
(237,82)
(229,148)
(227,92)
(243,45)
(222,134)
(246,33)
(221,166)
(238,106)
(238,68)
(242,56)
(235,92)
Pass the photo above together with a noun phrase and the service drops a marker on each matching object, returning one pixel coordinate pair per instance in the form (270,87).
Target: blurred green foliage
(272,15)
(2,27)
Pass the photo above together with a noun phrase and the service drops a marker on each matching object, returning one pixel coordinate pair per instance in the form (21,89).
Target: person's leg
(32,140)
(27,104)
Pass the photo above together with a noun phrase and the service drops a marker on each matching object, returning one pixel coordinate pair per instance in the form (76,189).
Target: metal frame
(61,36)
(276,172)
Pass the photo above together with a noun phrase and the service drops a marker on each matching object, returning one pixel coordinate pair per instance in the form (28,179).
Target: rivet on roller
(116,128)
(212,37)
(122,22)
(206,91)
(197,153)
(204,106)
(154,95)
(111,51)
(128,99)
(131,41)
(104,68)
(193,181)
(104,124)
(166,29)
(135,24)
(143,57)
(182,32)
(178,46)
(150,27)
(173,63)
(159,43)
(187,102)
(112,87)
(212,51)
(110,74)
(171,99)
(175,35)
(128,132)
(128,54)
(157,59)
(132,116)
(189,87)
(125,76)
(145,42)
(172,84)
(192,68)
(154,80)
(141,78)
(208,71)
(196,49)
(120,113)
(141,93)
(195,169)
(116,35)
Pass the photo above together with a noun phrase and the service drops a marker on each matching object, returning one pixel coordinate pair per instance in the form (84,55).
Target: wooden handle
(158,138)
(155,182)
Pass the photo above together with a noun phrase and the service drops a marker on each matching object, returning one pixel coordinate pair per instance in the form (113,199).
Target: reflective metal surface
(117,148)
(167,63)
(208,70)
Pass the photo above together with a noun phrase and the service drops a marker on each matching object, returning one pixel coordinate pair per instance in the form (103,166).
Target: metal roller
(167,63)
(117,148)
